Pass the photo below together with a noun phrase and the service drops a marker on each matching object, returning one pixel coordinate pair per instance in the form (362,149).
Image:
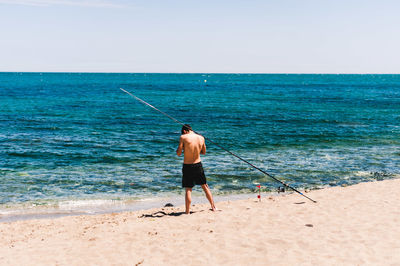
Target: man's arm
(203,148)
(180,147)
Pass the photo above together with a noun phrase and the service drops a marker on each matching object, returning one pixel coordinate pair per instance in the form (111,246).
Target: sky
(218,36)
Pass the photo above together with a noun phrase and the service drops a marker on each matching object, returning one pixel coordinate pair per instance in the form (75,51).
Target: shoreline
(354,225)
(79,207)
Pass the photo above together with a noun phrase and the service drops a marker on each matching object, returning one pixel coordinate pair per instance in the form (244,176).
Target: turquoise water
(77,136)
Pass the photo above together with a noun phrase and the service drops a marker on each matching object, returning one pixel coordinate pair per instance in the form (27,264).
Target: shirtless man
(192,145)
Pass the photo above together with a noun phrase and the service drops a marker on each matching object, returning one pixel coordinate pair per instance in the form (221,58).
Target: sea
(74,143)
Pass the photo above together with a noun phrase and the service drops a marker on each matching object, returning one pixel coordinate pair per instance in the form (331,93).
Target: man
(192,145)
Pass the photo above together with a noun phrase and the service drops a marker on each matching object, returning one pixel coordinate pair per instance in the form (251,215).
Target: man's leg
(188,199)
(207,190)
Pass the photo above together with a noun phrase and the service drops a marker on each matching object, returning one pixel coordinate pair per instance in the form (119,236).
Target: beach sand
(355,225)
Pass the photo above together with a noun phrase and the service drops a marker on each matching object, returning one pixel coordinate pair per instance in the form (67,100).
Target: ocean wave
(113,159)
(33,154)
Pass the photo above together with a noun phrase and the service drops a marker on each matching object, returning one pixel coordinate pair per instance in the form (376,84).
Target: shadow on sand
(159,214)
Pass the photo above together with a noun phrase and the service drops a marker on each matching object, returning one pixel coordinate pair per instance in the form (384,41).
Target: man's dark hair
(186,127)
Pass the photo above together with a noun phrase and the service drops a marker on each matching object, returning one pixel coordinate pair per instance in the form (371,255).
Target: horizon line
(249,73)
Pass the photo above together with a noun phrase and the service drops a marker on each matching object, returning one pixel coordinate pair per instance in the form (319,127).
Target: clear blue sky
(282,36)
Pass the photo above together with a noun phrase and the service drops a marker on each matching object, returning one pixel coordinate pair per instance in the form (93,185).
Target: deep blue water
(78,136)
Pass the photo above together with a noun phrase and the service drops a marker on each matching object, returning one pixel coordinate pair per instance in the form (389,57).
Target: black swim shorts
(193,174)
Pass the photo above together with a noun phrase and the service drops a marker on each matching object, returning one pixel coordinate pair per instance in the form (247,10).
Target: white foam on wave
(362,173)
(89,206)
(51,209)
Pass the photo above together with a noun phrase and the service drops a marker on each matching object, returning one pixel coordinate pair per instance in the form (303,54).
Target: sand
(356,225)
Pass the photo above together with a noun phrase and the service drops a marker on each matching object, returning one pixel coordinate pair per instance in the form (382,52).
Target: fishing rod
(231,153)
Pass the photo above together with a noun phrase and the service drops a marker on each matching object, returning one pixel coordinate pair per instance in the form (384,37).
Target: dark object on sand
(281,189)
(169,205)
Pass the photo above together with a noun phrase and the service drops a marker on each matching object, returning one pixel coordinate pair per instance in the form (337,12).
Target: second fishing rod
(221,147)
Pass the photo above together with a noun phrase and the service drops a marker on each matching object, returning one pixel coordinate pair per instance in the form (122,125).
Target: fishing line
(216,144)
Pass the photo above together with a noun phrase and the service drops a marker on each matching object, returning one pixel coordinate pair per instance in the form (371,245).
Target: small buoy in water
(205,81)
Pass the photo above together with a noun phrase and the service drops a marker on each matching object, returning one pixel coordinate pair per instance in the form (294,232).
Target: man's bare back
(192,146)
